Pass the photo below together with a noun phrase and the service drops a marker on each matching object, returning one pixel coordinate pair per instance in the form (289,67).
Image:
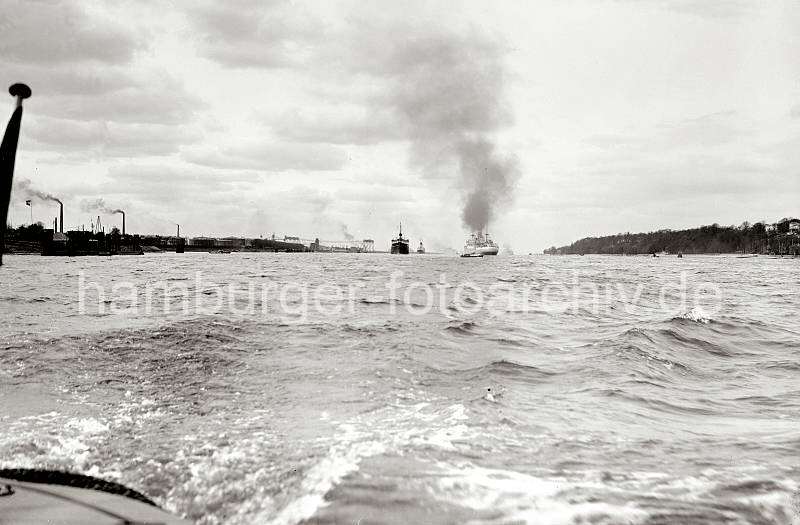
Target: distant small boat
(421,248)
(471,254)
(680,255)
(220,251)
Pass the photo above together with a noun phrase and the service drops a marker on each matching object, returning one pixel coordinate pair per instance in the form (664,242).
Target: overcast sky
(322,119)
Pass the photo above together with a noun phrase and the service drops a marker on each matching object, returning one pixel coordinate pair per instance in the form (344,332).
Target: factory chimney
(179,231)
(61,217)
(123,221)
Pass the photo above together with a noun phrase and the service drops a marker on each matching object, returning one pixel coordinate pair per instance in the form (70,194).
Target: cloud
(94,93)
(155,184)
(98,139)
(723,9)
(84,64)
(717,9)
(248,34)
(712,156)
(265,155)
(403,80)
(382,195)
(340,125)
(152,97)
(189,177)
(51,32)
(713,130)
(67,78)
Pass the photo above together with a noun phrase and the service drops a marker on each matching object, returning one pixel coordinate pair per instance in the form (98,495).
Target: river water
(333,388)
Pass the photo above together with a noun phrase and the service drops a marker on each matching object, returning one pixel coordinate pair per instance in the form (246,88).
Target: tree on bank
(745,238)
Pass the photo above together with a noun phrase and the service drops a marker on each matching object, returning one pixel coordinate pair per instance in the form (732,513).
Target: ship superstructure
(479,243)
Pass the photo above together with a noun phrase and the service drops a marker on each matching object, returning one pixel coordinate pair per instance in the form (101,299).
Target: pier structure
(348,246)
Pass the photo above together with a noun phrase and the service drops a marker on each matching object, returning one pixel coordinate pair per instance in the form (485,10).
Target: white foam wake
(518,497)
(360,439)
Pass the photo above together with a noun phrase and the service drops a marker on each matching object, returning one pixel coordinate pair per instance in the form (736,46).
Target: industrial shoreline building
(95,241)
(80,242)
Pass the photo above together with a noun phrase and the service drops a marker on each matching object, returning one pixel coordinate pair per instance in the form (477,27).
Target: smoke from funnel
(448,89)
(489,180)
(347,235)
(25,186)
(100,205)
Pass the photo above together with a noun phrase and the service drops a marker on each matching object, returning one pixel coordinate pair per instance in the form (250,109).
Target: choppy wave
(608,413)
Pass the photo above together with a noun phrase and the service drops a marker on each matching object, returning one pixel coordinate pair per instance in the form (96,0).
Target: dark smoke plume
(449,91)
(24,185)
(99,205)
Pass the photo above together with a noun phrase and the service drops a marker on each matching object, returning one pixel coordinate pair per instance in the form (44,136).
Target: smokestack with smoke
(448,90)
(25,186)
(100,205)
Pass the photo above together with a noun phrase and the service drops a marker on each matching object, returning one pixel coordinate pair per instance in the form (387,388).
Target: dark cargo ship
(400,244)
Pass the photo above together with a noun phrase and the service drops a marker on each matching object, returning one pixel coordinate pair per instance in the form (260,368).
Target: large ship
(479,243)
(400,244)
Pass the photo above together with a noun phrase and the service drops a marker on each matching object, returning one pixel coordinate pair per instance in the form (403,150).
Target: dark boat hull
(36,496)
(400,247)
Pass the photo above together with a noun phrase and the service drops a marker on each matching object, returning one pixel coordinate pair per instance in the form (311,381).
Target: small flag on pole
(27,202)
